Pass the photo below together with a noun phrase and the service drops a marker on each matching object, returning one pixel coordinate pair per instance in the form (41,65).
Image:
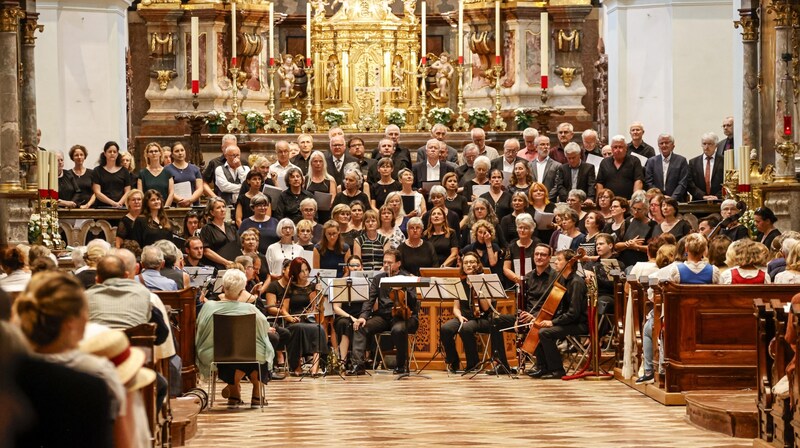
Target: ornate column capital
(9,19)
(783,12)
(30,27)
(748,20)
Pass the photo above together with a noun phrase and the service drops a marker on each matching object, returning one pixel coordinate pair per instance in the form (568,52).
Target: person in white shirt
(228,178)
(479,138)
(277,171)
(750,259)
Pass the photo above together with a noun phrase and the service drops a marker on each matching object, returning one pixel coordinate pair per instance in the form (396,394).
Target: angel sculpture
(444,72)
(287,71)
(332,80)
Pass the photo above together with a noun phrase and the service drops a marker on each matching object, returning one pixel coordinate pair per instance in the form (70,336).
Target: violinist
(734,229)
(371,322)
(306,336)
(536,290)
(346,312)
(570,318)
(471,316)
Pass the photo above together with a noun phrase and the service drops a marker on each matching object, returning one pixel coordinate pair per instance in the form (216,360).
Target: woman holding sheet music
(568,236)
(243,209)
(412,201)
(467,319)
(306,336)
(331,251)
(481,166)
(183,171)
(320,181)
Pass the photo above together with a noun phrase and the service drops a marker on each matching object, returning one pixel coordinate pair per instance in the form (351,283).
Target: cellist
(372,322)
(537,282)
(570,319)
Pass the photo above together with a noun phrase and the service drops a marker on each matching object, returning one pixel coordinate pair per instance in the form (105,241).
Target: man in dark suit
(466,172)
(509,158)
(574,175)
(402,156)
(726,144)
(544,169)
(431,168)
(637,143)
(439,132)
(707,171)
(670,165)
(564,132)
(337,158)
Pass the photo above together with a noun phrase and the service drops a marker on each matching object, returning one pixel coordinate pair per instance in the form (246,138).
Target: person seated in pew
(470,316)
(785,241)
(571,318)
(346,313)
(152,261)
(233,283)
(792,273)
(717,251)
(750,265)
(173,263)
(535,292)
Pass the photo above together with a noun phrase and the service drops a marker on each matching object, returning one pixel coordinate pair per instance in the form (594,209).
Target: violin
(400,309)
(476,304)
(549,307)
(742,207)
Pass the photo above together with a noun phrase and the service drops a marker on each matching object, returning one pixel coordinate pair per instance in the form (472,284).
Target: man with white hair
(439,132)
(637,143)
(466,172)
(335,132)
(509,158)
(430,169)
(591,143)
(620,173)
(706,171)
(479,138)
(544,169)
(402,156)
(278,170)
(151,277)
(529,136)
(669,172)
(564,133)
(209,173)
(574,175)
(338,158)
(228,178)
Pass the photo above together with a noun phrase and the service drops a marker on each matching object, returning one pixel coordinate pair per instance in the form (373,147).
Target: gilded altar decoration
(161,44)
(31,26)
(567,74)
(163,77)
(332,81)
(569,40)
(749,24)
(444,73)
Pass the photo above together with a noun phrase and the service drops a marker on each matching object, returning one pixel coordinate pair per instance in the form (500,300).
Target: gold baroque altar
(366,60)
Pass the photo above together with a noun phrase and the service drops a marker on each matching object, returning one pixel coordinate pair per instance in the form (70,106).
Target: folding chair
(234,343)
(378,358)
(578,347)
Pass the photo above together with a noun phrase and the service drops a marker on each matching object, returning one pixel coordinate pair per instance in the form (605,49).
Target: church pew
(144,336)
(779,353)
(765,328)
(184,322)
(709,337)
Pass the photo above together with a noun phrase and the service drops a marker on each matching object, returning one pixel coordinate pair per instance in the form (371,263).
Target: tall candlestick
(424,32)
(545,40)
(195,54)
(460,31)
(728,158)
(497,32)
(308,34)
(54,170)
(40,165)
(233,33)
(271,34)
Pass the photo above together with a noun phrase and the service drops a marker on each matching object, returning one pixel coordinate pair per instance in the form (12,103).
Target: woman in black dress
(539,199)
(346,313)
(415,252)
(454,201)
(342,215)
(320,180)
(508,224)
(481,165)
(480,209)
(130,166)
(191,223)
(764,219)
(498,198)
(306,336)
(351,190)
(443,238)
(152,225)
(243,208)
(219,237)
(385,185)
(521,178)
(266,227)
(79,179)
(671,223)
(288,204)
(134,201)
(110,181)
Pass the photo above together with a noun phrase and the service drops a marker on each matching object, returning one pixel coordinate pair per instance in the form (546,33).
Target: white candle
(233,32)
(497,35)
(728,157)
(460,31)
(195,54)
(545,39)
(424,52)
(271,33)
(54,171)
(40,164)
(308,34)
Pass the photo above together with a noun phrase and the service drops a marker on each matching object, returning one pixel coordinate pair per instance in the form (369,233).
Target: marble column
(784,166)
(27,93)
(9,98)
(749,22)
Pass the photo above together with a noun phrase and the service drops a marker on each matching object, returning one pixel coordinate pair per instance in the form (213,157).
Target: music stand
(402,282)
(348,290)
(199,275)
(322,276)
(488,287)
(441,289)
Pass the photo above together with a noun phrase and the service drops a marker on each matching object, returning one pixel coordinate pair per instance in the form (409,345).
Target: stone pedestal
(783,199)
(15,212)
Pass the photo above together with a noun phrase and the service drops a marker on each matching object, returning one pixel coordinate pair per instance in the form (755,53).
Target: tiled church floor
(378,411)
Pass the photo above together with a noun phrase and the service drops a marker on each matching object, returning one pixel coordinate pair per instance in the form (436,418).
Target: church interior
(535,210)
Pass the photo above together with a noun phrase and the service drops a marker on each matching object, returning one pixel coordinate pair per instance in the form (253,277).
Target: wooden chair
(234,343)
(144,336)
(184,326)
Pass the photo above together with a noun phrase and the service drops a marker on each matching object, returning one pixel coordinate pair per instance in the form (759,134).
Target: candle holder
(461,125)
(544,112)
(272,125)
(787,150)
(422,74)
(309,127)
(48,222)
(233,126)
(731,184)
(499,124)
(196,122)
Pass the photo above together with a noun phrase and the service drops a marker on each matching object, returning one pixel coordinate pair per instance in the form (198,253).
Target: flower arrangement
(254,119)
(523,117)
(215,118)
(44,226)
(396,117)
(478,116)
(333,116)
(290,117)
(748,222)
(441,115)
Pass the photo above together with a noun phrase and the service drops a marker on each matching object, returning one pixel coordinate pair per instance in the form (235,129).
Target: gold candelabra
(233,126)
(422,73)
(786,149)
(499,124)
(272,125)
(461,124)
(48,222)
(309,126)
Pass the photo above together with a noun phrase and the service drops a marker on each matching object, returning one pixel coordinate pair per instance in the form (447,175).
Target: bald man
(439,132)
(209,172)
(637,143)
(430,168)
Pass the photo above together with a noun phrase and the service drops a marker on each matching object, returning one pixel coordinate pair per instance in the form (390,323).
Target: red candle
(787,125)
(461,60)
(308,62)
(195,86)
(271,62)
(233,62)
(544,81)
(497,60)
(424,60)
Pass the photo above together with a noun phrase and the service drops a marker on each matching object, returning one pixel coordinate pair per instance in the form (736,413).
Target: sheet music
(198,275)
(563,242)
(409,280)
(594,161)
(183,189)
(488,286)
(528,265)
(324,201)
(506,178)
(337,291)
(642,159)
(273,192)
(325,275)
(449,288)
(543,220)
(479,190)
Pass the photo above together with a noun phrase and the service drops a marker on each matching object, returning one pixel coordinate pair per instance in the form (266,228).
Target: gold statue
(287,71)
(444,71)
(399,76)
(332,80)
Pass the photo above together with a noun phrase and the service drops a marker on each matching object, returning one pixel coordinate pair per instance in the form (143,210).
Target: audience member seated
(717,251)
(791,275)
(151,277)
(765,219)
(173,263)
(16,272)
(750,265)
(93,252)
(233,283)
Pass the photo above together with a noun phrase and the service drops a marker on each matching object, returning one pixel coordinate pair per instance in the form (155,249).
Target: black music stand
(441,289)
(347,290)
(402,282)
(488,287)
(322,276)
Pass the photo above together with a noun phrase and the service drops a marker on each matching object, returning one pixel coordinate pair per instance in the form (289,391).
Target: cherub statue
(444,71)
(332,80)
(409,8)
(319,9)
(287,72)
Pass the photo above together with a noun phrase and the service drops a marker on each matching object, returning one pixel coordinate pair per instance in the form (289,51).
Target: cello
(549,307)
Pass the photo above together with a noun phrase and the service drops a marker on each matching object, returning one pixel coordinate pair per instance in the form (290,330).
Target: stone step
(733,413)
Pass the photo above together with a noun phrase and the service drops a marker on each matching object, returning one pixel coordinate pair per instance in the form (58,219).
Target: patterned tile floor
(378,411)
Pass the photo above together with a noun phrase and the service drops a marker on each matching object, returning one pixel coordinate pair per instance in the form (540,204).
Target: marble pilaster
(27,93)
(749,22)
(784,166)
(10,15)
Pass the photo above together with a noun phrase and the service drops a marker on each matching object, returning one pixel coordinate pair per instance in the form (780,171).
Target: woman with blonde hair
(480,209)
(154,176)
(305,234)
(489,252)
(320,180)
(792,273)
(538,197)
(751,265)
(406,178)
(134,202)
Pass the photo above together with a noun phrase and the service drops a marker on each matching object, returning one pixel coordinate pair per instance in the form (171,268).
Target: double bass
(555,293)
